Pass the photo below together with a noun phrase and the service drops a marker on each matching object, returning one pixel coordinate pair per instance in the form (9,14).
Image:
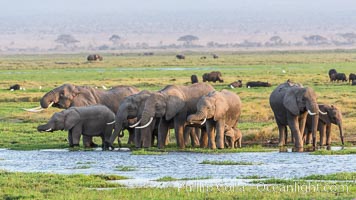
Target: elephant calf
(96,120)
(233,137)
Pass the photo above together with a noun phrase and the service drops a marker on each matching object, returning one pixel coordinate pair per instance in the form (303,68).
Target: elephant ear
(71,118)
(221,107)
(290,102)
(173,106)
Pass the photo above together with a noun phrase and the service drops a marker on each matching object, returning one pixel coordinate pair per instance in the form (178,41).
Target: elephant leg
(162,133)
(286,135)
(87,140)
(147,136)
(76,134)
(302,121)
(70,138)
(322,129)
(203,138)
(186,134)
(131,136)
(293,124)
(328,134)
(194,136)
(240,141)
(282,134)
(138,135)
(179,129)
(210,129)
(220,128)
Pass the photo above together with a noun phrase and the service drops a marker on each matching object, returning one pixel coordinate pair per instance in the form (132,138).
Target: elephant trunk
(45,128)
(341,132)
(197,117)
(146,119)
(314,109)
(119,121)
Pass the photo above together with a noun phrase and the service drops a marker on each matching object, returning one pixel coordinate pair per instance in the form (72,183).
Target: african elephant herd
(198,113)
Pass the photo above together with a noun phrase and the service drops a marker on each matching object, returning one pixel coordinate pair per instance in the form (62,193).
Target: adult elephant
(330,115)
(131,108)
(173,104)
(96,120)
(68,95)
(290,104)
(217,109)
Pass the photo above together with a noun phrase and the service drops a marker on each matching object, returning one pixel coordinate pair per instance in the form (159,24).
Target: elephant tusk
(48,130)
(310,113)
(34,109)
(144,126)
(110,123)
(50,105)
(203,121)
(134,125)
(323,113)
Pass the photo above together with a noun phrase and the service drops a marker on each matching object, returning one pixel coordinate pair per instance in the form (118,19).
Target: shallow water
(174,164)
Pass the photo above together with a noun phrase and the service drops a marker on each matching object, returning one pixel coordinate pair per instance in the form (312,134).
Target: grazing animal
(338,77)
(94,57)
(203,57)
(331,72)
(194,78)
(215,56)
(213,77)
(353,82)
(180,57)
(15,87)
(352,77)
(257,84)
(236,84)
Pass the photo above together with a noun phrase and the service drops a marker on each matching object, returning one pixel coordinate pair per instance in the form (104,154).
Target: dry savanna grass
(39,74)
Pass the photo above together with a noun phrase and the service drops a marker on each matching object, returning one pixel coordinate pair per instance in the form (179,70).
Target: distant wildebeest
(194,78)
(331,72)
(15,87)
(148,54)
(236,84)
(94,57)
(257,84)
(338,77)
(203,57)
(352,77)
(213,77)
(215,56)
(180,56)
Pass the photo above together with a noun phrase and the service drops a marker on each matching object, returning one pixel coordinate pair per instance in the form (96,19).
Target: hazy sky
(25,7)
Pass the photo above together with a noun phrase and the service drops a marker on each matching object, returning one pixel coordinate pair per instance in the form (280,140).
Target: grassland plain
(39,74)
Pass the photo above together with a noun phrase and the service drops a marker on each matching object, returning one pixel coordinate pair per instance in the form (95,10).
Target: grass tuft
(228,162)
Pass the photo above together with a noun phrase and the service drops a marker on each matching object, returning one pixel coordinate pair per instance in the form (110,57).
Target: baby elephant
(233,137)
(89,121)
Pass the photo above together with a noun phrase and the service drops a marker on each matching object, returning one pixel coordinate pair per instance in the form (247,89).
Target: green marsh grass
(169,178)
(228,162)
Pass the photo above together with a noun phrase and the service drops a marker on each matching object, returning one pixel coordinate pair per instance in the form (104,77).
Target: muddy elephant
(217,109)
(233,137)
(352,77)
(172,105)
(89,121)
(68,95)
(180,56)
(338,77)
(213,77)
(94,57)
(331,72)
(251,84)
(194,79)
(328,115)
(291,103)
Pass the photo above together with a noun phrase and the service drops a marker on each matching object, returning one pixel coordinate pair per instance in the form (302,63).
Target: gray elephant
(68,95)
(94,57)
(131,108)
(329,115)
(173,104)
(233,137)
(217,109)
(89,121)
(290,104)
(213,77)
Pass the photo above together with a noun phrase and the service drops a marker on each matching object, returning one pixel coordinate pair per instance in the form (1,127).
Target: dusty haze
(34,25)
